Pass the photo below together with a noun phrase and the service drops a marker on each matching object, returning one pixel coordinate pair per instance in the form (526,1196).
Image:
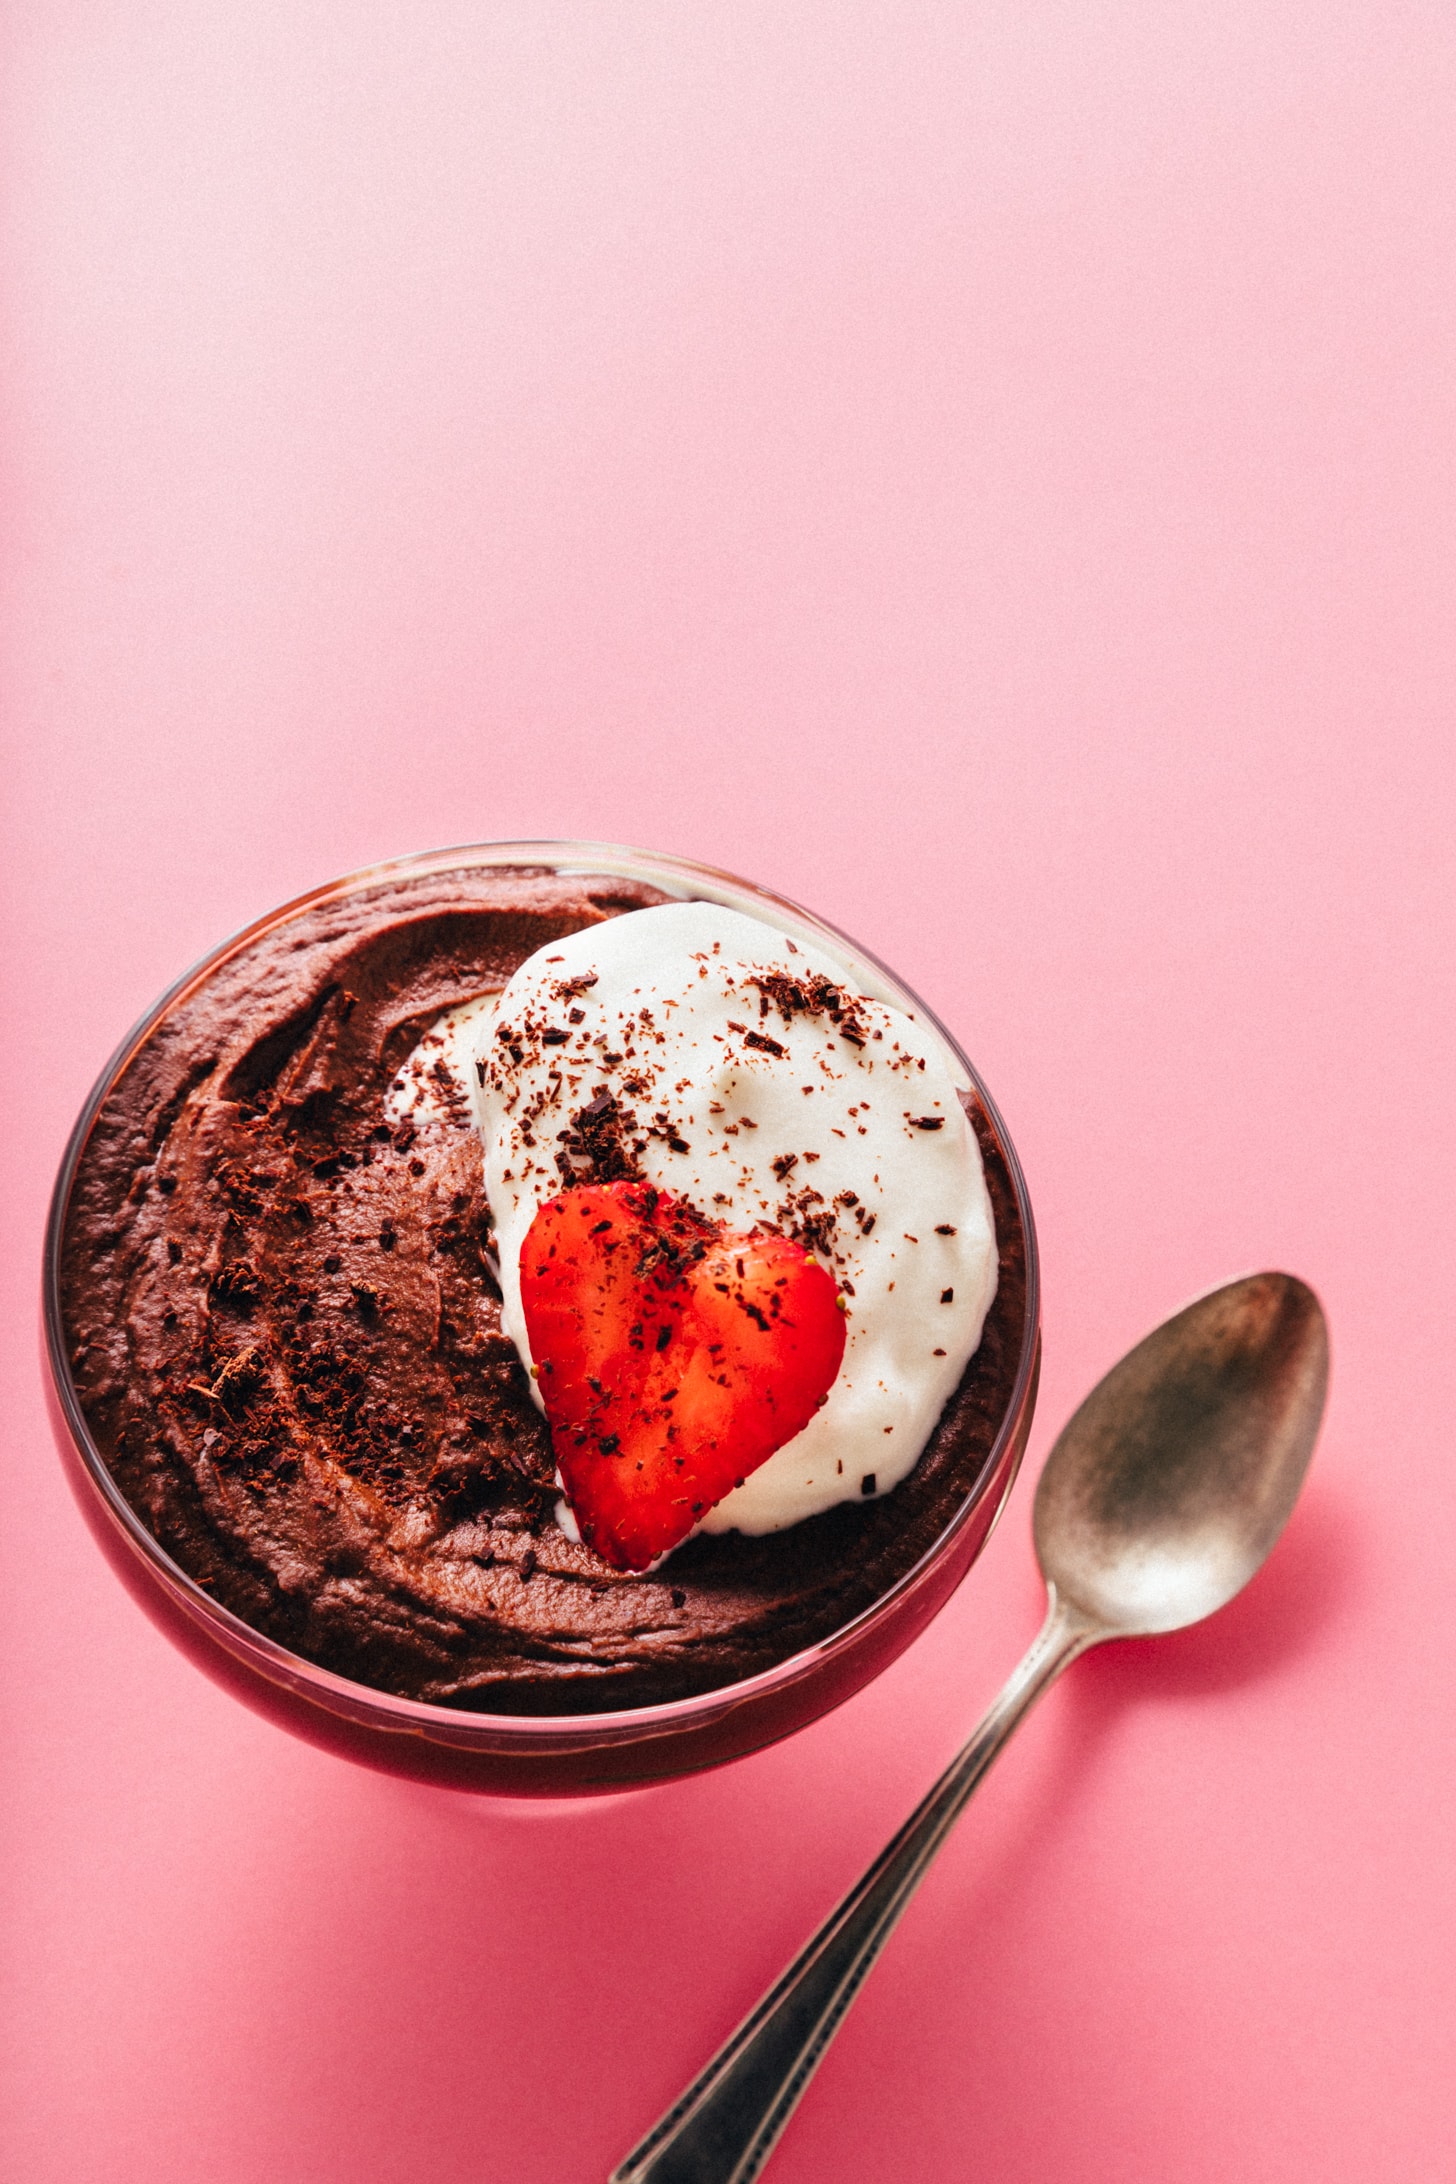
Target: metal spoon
(1161,1498)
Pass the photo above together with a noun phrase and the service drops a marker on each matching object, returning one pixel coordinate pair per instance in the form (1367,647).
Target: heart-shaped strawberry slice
(673,1357)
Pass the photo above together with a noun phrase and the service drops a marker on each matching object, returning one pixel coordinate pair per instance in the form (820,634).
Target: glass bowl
(553,1755)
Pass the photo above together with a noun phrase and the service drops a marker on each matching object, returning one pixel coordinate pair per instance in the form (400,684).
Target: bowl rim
(475,1727)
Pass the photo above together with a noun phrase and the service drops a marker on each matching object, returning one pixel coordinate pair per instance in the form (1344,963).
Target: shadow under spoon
(1160,1499)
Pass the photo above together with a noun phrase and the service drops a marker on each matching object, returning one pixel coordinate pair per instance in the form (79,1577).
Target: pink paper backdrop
(987,471)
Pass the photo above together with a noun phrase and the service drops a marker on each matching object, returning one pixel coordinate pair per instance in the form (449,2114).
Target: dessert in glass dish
(541,1317)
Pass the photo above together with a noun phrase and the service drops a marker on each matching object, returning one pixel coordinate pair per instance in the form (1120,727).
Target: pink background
(987,470)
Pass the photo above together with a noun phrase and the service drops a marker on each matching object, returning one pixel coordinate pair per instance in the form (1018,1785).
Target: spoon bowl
(1166,1489)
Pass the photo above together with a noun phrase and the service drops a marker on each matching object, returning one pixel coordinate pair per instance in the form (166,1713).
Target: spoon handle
(726,2124)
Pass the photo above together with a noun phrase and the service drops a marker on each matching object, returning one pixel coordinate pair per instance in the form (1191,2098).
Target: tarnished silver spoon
(1159,1501)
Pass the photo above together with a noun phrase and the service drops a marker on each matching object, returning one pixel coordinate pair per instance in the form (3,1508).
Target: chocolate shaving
(239,1380)
(600,1145)
(236,1284)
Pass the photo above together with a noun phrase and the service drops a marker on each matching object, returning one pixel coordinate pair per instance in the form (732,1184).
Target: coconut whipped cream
(702,1050)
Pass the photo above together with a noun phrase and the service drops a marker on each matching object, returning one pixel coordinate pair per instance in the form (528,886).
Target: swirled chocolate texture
(285,1333)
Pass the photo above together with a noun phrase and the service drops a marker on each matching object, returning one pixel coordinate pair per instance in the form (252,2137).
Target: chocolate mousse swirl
(285,1330)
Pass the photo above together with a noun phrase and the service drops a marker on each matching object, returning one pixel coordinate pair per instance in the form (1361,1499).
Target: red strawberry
(674,1357)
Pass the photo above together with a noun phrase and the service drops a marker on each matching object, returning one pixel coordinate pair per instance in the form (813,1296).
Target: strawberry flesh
(672,1355)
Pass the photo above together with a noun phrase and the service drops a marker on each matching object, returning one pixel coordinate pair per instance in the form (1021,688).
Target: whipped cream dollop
(713,1056)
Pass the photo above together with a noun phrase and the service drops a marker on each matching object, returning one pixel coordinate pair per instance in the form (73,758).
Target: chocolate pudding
(284,1327)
